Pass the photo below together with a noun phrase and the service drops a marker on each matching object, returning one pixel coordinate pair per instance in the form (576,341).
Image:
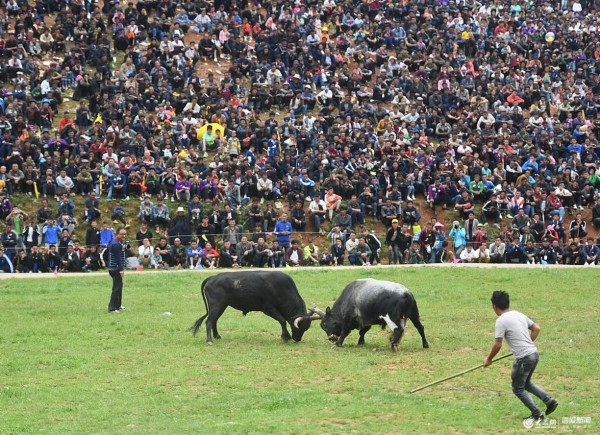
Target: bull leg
(215,332)
(346,329)
(396,337)
(274,314)
(362,332)
(397,330)
(417,322)
(211,323)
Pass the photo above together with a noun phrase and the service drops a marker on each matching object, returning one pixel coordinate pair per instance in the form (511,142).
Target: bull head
(301,325)
(328,323)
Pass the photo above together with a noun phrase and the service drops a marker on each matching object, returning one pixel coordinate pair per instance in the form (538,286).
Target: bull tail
(415,318)
(413,314)
(198,323)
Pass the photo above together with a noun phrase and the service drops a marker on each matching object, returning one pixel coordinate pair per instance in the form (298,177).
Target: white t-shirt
(514,327)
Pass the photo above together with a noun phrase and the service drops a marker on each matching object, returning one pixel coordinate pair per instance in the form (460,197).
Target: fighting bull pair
(362,304)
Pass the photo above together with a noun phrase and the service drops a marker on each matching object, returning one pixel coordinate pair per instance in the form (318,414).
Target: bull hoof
(425,345)
(209,343)
(285,338)
(361,343)
(217,337)
(394,348)
(338,344)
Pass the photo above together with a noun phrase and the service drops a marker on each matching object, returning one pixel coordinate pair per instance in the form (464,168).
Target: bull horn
(321,313)
(317,317)
(297,322)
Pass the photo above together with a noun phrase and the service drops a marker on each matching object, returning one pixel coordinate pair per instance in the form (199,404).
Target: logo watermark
(546,423)
(574,422)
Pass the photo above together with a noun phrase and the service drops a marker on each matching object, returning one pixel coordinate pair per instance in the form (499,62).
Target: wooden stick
(439,381)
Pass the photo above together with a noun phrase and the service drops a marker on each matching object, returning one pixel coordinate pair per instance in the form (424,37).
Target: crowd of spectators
(237,124)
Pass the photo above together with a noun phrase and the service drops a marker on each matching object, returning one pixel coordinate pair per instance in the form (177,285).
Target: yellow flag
(35,190)
(99,119)
(279,140)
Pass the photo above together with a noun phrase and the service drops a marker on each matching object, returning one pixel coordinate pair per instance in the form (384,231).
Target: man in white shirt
(515,327)
(351,245)
(64,183)
(274,75)
(469,255)
(45,87)
(317,213)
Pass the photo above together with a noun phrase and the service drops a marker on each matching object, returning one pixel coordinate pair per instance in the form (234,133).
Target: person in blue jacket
(6,266)
(283,231)
(51,232)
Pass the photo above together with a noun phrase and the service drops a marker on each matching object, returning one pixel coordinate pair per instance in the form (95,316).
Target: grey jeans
(521,374)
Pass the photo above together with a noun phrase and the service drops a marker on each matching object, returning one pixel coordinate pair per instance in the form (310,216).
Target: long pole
(439,381)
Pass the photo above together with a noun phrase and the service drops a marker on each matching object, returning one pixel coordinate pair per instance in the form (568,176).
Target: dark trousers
(117,290)
(521,374)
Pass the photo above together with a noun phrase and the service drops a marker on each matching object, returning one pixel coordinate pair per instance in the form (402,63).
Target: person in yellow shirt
(384,123)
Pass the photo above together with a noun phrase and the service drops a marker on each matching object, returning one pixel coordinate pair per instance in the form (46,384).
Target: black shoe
(551,407)
(535,418)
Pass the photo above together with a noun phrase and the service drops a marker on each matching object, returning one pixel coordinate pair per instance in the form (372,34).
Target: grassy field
(67,366)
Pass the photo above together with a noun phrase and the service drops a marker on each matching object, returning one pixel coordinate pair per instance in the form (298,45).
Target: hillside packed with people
(273,135)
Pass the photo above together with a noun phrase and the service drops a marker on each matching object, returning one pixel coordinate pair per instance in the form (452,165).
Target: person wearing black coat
(180,228)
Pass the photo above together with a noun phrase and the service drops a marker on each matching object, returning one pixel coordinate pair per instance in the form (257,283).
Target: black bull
(273,293)
(367,302)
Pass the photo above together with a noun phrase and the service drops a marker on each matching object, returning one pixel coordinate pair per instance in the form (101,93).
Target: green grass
(67,366)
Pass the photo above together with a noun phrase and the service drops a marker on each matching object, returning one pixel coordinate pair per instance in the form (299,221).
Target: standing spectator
(283,231)
(471,227)
(106,235)
(51,232)
(392,240)
(116,269)
(9,241)
(457,233)
(233,234)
